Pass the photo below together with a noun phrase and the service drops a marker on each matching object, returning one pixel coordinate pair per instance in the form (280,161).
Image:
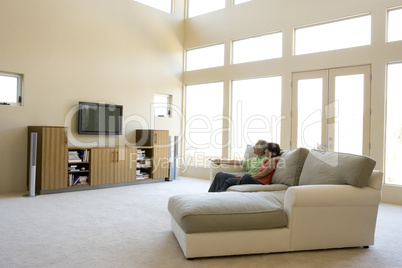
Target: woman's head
(274,148)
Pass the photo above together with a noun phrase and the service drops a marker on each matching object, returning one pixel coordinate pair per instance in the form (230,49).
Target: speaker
(32,163)
(173,154)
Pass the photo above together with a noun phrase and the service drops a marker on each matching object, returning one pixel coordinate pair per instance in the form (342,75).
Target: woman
(265,173)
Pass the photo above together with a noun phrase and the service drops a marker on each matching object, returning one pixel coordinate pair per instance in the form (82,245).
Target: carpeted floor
(130,227)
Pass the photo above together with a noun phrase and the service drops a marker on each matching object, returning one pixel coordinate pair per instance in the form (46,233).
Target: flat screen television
(100,118)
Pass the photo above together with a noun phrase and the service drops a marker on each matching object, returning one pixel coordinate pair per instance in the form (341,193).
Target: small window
(199,7)
(163,5)
(335,35)
(162,105)
(236,2)
(206,57)
(394,25)
(257,48)
(10,89)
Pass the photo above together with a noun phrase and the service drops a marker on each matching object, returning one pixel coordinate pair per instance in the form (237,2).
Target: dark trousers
(247,179)
(222,182)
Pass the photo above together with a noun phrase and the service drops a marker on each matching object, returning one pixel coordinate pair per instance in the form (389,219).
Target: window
(162,105)
(199,7)
(257,48)
(163,5)
(10,89)
(393,147)
(331,109)
(206,57)
(394,25)
(204,106)
(309,109)
(236,2)
(340,34)
(256,112)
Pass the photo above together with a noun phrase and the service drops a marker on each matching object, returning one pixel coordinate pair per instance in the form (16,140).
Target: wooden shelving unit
(62,169)
(144,163)
(78,167)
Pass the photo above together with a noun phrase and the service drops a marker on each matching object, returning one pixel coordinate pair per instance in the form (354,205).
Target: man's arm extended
(226,161)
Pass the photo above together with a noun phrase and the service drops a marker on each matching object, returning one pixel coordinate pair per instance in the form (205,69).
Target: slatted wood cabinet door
(126,164)
(52,155)
(103,165)
(113,165)
(160,154)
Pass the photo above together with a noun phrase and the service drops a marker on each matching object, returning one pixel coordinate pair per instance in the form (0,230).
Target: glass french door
(331,110)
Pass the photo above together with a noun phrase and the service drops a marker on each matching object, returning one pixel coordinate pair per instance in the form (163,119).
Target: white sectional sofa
(317,200)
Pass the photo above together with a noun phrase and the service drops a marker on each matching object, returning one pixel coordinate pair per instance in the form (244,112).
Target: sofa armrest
(375,180)
(331,216)
(238,170)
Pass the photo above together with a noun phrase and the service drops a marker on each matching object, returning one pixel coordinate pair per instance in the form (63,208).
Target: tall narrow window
(204,106)
(256,112)
(199,7)
(393,157)
(349,96)
(340,34)
(10,89)
(163,5)
(257,48)
(309,106)
(394,25)
(206,57)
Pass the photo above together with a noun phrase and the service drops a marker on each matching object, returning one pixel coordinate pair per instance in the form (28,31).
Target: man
(252,165)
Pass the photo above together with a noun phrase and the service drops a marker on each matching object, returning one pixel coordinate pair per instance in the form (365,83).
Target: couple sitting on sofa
(260,168)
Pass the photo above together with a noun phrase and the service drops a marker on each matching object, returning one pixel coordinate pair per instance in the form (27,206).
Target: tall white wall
(112,51)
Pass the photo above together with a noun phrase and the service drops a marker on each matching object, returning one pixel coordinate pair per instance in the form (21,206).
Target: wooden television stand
(62,169)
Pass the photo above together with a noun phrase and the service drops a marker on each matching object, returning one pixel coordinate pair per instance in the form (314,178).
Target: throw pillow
(289,167)
(336,168)
(249,153)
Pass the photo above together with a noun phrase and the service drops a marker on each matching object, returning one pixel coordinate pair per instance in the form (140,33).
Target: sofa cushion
(336,168)
(289,167)
(249,153)
(228,211)
(257,187)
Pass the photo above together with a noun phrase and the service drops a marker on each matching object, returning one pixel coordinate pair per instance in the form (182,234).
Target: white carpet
(130,227)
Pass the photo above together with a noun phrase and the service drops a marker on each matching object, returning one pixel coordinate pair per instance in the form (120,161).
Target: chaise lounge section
(318,200)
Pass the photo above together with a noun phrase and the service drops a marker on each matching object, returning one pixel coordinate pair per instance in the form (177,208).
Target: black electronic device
(100,118)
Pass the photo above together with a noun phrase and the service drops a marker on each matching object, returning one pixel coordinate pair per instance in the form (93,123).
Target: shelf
(79,185)
(78,177)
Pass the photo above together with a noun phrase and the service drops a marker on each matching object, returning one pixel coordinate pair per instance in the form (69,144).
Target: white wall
(113,51)
(264,16)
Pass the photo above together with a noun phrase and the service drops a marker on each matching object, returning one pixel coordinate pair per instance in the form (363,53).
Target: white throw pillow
(249,153)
